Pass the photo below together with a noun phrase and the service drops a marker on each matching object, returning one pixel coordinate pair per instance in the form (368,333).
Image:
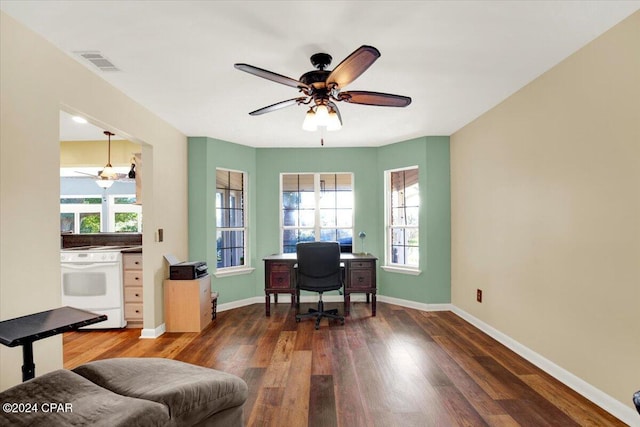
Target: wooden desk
(360,277)
(27,329)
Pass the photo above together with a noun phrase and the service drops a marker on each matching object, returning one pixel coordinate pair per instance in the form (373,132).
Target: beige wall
(37,81)
(546,214)
(94,153)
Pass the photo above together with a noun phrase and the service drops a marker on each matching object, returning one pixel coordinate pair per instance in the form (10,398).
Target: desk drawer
(280,279)
(360,278)
(362,264)
(280,266)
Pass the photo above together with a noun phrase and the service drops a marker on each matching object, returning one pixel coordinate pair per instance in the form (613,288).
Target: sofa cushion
(192,393)
(63,398)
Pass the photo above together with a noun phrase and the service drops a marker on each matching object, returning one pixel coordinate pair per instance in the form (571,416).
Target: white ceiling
(73,131)
(455,59)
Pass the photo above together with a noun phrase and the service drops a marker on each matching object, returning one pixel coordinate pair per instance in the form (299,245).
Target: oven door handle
(85,266)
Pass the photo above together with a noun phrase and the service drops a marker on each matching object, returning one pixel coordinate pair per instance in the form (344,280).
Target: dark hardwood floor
(403,367)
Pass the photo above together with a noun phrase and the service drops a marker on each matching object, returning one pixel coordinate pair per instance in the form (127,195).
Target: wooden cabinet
(132,280)
(360,277)
(187,304)
(278,279)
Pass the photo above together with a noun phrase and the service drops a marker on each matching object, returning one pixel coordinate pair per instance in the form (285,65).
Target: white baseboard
(416,305)
(286,298)
(613,406)
(240,303)
(595,395)
(153,333)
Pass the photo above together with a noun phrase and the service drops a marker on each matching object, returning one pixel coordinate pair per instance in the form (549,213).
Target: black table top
(33,327)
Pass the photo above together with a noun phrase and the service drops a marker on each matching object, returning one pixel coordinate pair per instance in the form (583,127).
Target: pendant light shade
(333,121)
(104,183)
(107,174)
(310,123)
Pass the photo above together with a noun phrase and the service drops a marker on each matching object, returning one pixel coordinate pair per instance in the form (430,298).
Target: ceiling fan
(323,88)
(108,175)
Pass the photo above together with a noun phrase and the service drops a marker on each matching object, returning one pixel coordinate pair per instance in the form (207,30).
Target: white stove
(92,280)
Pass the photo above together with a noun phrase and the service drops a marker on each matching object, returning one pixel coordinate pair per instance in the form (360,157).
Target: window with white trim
(84,214)
(402,203)
(231,224)
(316,207)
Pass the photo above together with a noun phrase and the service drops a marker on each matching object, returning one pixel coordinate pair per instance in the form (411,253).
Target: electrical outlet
(479,295)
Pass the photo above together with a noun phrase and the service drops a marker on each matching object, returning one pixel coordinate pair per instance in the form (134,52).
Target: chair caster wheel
(297,320)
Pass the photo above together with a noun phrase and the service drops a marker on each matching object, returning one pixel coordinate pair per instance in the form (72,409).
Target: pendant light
(108,172)
(107,175)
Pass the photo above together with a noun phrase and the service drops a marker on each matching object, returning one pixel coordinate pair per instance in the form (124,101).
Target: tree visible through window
(316,207)
(230,218)
(403,208)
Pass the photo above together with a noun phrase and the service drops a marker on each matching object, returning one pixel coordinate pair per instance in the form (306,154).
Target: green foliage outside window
(90,223)
(126,221)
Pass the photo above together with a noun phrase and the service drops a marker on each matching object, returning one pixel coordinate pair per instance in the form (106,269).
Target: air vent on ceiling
(97,59)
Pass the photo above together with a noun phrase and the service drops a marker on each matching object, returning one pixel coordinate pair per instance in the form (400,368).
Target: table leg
(275,298)
(347,303)
(367,298)
(28,367)
(373,304)
(267,305)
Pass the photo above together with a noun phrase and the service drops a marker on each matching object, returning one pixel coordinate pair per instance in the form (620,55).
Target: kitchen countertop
(132,250)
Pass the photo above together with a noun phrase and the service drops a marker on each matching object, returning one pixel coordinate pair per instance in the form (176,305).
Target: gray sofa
(127,392)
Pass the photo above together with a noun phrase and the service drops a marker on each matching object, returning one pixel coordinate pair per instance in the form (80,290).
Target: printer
(187,270)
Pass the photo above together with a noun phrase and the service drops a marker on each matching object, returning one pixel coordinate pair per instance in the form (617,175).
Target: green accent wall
(205,155)
(264,166)
(431,155)
(274,161)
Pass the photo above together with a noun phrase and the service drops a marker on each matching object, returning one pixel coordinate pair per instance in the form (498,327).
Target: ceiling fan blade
(269,75)
(352,66)
(374,98)
(278,105)
(89,174)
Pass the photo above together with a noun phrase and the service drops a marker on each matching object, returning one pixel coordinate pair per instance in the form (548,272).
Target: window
(80,214)
(84,214)
(231,225)
(401,218)
(126,215)
(316,207)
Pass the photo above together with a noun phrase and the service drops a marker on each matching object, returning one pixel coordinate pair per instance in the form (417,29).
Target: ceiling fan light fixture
(310,123)
(333,121)
(107,172)
(322,115)
(104,183)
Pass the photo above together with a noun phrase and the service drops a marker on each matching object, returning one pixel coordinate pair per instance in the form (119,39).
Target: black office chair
(636,400)
(318,270)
